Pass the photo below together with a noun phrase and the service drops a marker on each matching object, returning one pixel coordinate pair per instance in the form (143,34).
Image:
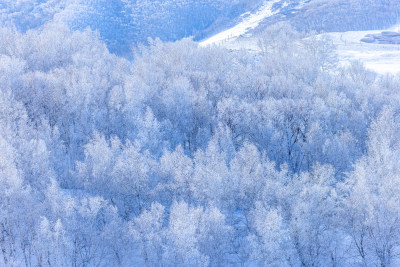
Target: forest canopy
(194,156)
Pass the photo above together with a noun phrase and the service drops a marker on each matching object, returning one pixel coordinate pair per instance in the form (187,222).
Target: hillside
(126,23)
(365,21)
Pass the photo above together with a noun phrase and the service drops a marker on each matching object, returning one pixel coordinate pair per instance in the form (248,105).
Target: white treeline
(191,156)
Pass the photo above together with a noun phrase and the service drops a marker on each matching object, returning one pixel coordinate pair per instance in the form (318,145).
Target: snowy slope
(249,21)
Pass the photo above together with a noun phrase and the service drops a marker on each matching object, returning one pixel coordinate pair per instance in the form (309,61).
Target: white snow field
(381,58)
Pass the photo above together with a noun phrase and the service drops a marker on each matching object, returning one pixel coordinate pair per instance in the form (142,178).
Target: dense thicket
(190,156)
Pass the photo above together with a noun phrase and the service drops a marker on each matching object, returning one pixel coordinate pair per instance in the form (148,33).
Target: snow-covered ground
(381,58)
(249,22)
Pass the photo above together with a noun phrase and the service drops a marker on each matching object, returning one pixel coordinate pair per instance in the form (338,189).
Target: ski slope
(249,22)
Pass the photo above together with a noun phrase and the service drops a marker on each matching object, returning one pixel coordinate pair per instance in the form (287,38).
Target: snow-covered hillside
(125,23)
(248,22)
(381,58)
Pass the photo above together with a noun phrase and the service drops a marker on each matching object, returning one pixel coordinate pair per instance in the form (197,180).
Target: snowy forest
(195,156)
(123,22)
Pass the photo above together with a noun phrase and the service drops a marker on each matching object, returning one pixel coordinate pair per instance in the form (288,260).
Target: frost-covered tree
(270,242)
(196,236)
(147,229)
(120,173)
(370,195)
